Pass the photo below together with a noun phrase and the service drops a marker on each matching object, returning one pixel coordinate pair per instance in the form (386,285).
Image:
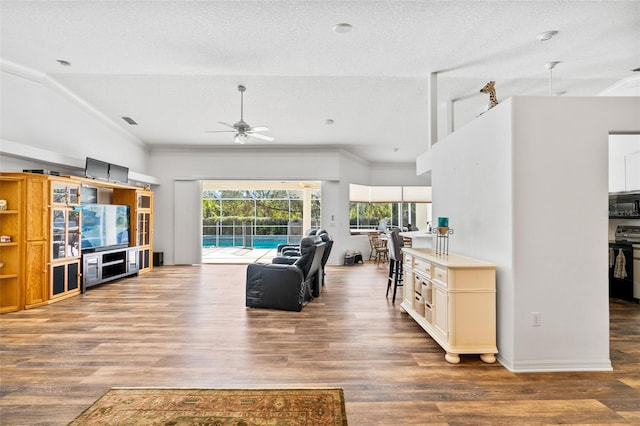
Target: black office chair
(394,245)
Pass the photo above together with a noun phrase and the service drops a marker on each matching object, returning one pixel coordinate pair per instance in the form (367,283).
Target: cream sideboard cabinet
(453,298)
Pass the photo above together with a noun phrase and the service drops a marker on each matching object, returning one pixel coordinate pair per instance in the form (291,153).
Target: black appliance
(621,262)
(624,205)
(158,258)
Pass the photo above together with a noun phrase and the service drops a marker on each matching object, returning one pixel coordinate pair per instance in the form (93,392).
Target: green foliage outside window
(268,211)
(369,215)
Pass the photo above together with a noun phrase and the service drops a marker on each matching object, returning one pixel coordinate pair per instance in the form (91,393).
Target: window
(371,207)
(259,218)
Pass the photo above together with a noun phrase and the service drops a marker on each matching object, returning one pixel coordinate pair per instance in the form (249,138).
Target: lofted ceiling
(174,66)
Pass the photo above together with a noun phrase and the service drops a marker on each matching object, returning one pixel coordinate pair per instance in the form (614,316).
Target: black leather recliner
(287,249)
(282,286)
(287,254)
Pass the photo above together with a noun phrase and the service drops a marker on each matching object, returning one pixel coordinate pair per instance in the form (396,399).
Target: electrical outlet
(535,319)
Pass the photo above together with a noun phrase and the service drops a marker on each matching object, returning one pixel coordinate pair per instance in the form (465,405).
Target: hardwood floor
(187,327)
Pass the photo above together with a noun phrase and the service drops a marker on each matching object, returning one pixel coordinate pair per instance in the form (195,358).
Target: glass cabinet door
(59,194)
(73,234)
(74,194)
(143,229)
(65,234)
(59,233)
(65,193)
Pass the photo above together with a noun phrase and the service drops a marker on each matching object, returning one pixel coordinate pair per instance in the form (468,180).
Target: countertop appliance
(622,283)
(627,234)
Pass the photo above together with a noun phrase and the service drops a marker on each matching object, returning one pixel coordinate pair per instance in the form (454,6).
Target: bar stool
(394,246)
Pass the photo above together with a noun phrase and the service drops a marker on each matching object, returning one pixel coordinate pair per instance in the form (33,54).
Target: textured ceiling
(173,66)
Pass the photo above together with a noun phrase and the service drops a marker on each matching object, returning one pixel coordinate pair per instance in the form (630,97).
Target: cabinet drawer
(407,261)
(417,284)
(428,313)
(440,274)
(422,266)
(426,292)
(419,305)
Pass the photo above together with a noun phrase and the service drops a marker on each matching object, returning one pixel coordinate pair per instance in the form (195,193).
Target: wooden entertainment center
(41,259)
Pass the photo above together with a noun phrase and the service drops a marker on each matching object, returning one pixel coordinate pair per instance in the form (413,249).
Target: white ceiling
(173,66)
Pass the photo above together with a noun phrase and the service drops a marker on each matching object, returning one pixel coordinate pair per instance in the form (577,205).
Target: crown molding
(631,81)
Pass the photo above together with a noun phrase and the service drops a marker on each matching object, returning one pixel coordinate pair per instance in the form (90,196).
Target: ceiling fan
(242,130)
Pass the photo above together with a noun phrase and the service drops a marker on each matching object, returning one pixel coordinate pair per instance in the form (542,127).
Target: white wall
(525,186)
(471,184)
(396,174)
(336,170)
(45,126)
(43,121)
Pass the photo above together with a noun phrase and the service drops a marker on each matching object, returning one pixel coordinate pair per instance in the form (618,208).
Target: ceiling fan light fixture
(243,132)
(241,138)
(546,35)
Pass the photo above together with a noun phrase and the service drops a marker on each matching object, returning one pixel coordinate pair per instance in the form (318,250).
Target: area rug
(219,407)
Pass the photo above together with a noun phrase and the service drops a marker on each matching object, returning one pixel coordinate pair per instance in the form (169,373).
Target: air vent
(130,121)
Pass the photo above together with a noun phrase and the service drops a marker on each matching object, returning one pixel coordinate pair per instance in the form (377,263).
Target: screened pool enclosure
(262,217)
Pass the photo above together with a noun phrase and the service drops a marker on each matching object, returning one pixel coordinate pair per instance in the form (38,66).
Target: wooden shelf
(7,276)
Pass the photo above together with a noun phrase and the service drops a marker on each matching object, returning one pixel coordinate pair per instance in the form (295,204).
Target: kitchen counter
(452,261)
(419,239)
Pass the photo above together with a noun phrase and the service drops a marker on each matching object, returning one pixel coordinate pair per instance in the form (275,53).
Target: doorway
(245,221)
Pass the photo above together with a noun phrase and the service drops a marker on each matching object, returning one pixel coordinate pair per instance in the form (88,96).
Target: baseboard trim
(546,366)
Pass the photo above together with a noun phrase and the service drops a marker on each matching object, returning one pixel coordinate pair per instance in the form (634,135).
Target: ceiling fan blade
(259,136)
(226,124)
(219,131)
(259,129)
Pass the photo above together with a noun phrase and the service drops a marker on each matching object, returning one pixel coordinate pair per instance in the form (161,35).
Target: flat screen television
(96,169)
(104,226)
(119,174)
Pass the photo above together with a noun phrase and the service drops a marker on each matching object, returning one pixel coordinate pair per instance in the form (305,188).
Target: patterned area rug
(219,407)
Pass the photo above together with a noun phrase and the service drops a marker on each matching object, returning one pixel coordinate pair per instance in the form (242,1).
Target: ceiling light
(63,62)
(130,120)
(342,28)
(547,35)
(329,121)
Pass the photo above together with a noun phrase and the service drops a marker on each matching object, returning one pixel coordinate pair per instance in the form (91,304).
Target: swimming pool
(259,241)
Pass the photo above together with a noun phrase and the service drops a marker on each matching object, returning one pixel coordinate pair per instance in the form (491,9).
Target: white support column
(306,209)
(187,222)
(450,118)
(433,108)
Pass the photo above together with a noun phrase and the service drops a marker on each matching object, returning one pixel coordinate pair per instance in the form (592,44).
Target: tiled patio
(237,255)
